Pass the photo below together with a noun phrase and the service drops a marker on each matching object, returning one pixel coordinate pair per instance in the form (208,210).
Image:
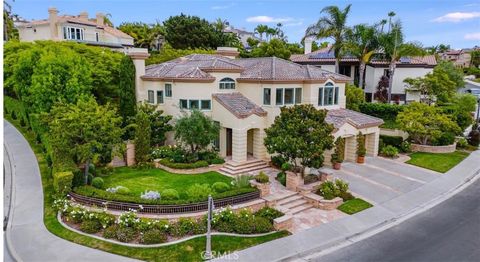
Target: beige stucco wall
(40,32)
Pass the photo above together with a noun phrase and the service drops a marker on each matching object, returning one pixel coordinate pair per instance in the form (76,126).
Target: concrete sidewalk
(331,234)
(27,237)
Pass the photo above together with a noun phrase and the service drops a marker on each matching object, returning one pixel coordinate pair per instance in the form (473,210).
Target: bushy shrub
(389,151)
(277,161)
(110,232)
(217,161)
(152,195)
(153,236)
(406,147)
(162,152)
(347,196)
(395,141)
(381,110)
(310,178)
(98,182)
(269,213)
(342,186)
(128,219)
(199,192)
(125,234)
(262,178)
(121,190)
(170,194)
(13,115)
(462,143)
(339,153)
(22,122)
(241,181)
(262,225)
(89,179)
(183,227)
(220,187)
(166,162)
(90,226)
(474,138)
(282,178)
(330,190)
(245,222)
(447,138)
(62,182)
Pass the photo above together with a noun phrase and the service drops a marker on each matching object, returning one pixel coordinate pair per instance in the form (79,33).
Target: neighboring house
(74,28)
(242,35)
(245,95)
(461,58)
(406,67)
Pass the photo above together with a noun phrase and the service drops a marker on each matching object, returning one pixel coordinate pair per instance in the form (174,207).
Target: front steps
(289,202)
(233,168)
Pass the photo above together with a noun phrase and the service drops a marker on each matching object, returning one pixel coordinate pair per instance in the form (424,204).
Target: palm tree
(362,43)
(260,29)
(220,24)
(334,25)
(107,19)
(270,32)
(391,14)
(394,48)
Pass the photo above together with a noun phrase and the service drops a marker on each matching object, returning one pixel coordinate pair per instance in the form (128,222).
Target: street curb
(8,231)
(368,232)
(161,244)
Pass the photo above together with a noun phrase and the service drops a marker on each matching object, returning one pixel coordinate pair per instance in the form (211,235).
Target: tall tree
(332,25)
(300,135)
(261,29)
(83,130)
(196,131)
(355,97)
(362,43)
(159,123)
(126,90)
(275,47)
(394,48)
(142,137)
(184,31)
(144,35)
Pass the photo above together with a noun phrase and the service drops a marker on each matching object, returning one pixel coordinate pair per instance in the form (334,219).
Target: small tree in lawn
(300,135)
(142,137)
(425,123)
(82,131)
(196,130)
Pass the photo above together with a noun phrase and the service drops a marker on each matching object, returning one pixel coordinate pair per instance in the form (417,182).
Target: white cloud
(268,19)
(221,7)
(472,36)
(457,17)
(294,23)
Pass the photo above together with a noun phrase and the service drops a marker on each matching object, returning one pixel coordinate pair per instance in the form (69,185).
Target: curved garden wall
(434,149)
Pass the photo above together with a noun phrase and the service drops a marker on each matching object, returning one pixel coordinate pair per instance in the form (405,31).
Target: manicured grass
(186,251)
(354,206)
(139,180)
(437,162)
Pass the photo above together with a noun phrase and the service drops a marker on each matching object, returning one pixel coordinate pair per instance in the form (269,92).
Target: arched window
(227,83)
(328,95)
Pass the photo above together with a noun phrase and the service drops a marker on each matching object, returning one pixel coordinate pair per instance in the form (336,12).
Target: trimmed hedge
(381,110)
(166,162)
(90,191)
(395,141)
(62,182)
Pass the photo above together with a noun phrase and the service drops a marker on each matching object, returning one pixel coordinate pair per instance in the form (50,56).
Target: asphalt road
(449,232)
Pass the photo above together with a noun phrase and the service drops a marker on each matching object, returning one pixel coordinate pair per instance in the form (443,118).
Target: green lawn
(186,251)
(139,180)
(354,206)
(437,162)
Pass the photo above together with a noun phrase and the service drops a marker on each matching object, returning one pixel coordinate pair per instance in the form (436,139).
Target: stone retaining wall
(434,149)
(283,223)
(188,171)
(321,203)
(263,187)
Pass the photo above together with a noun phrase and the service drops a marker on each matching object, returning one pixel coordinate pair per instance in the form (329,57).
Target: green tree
(168,53)
(295,48)
(362,43)
(184,31)
(355,97)
(275,47)
(196,130)
(454,74)
(425,123)
(300,135)
(127,103)
(252,42)
(9,30)
(144,35)
(332,25)
(82,131)
(142,137)
(261,29)
(159,123)
(475,58)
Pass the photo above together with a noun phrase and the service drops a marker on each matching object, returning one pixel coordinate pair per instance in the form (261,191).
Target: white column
(259,149)
(239,145)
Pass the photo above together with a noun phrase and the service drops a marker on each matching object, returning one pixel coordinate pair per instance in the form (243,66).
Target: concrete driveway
(380,179)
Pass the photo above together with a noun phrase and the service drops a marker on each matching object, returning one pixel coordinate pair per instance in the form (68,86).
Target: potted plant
(339,153)
(361,150)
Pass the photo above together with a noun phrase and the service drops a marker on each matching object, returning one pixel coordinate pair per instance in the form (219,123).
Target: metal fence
(164,209)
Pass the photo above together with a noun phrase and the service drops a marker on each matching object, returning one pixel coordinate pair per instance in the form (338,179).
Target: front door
(229,141)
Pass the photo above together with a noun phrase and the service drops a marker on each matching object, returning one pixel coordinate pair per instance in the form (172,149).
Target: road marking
(396,174)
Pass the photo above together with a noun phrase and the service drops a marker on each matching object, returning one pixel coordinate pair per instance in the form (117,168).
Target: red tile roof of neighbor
(250,69)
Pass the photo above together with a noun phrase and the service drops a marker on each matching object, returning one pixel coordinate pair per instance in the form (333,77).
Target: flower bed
(129,228)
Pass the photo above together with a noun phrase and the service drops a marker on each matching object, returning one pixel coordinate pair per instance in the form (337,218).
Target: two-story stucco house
(407,67)
(74,28)
(245,96)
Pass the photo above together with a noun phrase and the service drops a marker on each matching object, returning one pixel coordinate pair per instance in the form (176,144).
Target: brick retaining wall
(434,149)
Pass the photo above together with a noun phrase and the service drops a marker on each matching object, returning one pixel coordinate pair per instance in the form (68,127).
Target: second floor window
(151,98)
(72,33)
(288,96)
(328,95)
(227,83)
(195,104)
(168,90)
(267,95)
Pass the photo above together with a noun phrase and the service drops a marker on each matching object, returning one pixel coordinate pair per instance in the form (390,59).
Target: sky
(431,22)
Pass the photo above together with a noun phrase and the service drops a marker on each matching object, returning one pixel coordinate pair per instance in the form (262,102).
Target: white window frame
(67,33)
(269,97)
(151,94)
(170,89)
(226,83)
(294,96)
(199,101)
(322,99)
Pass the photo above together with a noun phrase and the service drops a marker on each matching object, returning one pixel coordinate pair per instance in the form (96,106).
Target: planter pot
(360,159)
(337,166)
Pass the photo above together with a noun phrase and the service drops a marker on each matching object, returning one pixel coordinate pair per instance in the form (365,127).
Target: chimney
(52,20)
(308,45)
(83,15)
(100,19)
(229,52)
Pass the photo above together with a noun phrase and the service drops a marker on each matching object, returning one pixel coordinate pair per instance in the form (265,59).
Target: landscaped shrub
(201,163)
(447,138)
(199,192)
(98,182)
(395,141)
(153,236)
(217,161)
(183,227)
(381,110)
(62,182)
(262,225)
(462,143)
(282,178)
(89,179)
(361,150)
(162,152)
(269,213)
(78,178)
(128,219)
(241,181)
(342,186)
(220,187)
(389,151)
(277,161)
(329,190)
(110,232)
(406,147)
(13,115)
(125,234)
(346,196)
(474,138)
(121,190)
(339,152)
(310,178)
(245,222)
(170,194)
(262,178)
(153,195)
(90,226)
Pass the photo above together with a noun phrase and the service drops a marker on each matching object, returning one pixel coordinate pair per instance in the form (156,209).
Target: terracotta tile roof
(239,105)
(429,60)
(250,69)
(339,117)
